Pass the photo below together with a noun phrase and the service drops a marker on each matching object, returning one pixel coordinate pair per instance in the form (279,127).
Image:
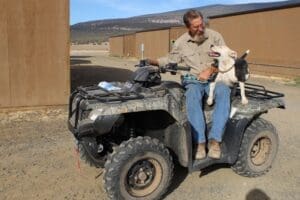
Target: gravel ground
(38,160)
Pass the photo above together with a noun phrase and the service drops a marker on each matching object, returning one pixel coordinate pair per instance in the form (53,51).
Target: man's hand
(206,73)
(152,62)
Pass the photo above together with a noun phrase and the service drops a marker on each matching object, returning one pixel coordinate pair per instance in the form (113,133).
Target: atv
(137,129)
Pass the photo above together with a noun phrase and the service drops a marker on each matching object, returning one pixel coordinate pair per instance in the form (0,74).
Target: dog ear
(233,54)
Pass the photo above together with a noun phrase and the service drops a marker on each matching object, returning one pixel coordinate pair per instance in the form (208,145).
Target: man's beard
(199,38)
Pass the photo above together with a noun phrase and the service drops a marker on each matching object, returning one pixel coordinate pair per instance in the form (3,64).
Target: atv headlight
(85,114)
(95,113)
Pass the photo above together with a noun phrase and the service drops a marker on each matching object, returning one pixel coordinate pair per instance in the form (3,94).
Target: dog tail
(245,54)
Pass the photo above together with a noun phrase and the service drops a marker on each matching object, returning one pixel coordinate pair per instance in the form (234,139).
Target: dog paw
(244,101)
(209,101)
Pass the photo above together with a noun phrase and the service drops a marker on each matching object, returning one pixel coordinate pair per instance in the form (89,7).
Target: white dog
(230,70)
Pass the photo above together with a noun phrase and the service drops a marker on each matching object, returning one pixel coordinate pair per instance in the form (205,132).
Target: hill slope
(101,30)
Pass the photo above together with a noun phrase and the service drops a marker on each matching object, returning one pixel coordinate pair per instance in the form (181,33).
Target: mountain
(101,30)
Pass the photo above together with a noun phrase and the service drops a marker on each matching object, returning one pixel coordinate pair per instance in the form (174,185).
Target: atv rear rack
(256,92)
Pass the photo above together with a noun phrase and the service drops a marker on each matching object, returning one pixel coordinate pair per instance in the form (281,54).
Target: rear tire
(258,149)
(140,168)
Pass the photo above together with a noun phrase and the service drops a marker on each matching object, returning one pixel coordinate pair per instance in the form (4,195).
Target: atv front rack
(106,96)
(256,91)
(100,95)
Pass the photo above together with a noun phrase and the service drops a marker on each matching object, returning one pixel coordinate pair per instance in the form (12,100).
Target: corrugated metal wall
(4,66)
(272,36)
(176,32)
(156,43)
(34,53)
(116,45)
(129,45)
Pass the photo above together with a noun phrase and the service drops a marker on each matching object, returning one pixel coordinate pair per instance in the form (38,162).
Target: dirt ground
(38,160)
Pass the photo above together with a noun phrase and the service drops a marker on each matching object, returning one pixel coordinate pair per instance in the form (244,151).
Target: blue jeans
(194,99)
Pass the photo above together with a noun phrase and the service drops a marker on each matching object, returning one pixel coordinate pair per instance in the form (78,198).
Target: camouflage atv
(137,130)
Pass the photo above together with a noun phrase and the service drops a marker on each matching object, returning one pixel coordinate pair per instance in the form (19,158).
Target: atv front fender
(100,125)
(167,103)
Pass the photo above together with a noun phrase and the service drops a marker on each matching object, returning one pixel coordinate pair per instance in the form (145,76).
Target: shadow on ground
(257,194)
(78,60)
(213,168)
(84,74)
(180,174)
(79,57)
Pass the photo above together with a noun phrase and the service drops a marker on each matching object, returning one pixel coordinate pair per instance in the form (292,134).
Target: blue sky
(87,10)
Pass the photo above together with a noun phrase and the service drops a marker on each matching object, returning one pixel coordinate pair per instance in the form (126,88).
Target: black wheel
(140,168)
(89,151)
(258,149)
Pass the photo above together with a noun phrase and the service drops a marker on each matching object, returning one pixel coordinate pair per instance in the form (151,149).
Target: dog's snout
(211,45)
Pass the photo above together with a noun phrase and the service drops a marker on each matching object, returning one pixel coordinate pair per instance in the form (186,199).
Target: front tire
(258,149)
(87,148)
(140,168)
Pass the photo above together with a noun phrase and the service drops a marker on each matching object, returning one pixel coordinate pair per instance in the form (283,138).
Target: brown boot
(200,151)
(214,149)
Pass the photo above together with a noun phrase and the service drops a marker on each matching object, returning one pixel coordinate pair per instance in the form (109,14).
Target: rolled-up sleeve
(175,56)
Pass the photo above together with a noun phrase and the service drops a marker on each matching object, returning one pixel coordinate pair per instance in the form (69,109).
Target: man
(192,49)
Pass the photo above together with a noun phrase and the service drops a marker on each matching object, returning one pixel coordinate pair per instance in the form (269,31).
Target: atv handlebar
(143,63)
(170,67)
(173,68)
